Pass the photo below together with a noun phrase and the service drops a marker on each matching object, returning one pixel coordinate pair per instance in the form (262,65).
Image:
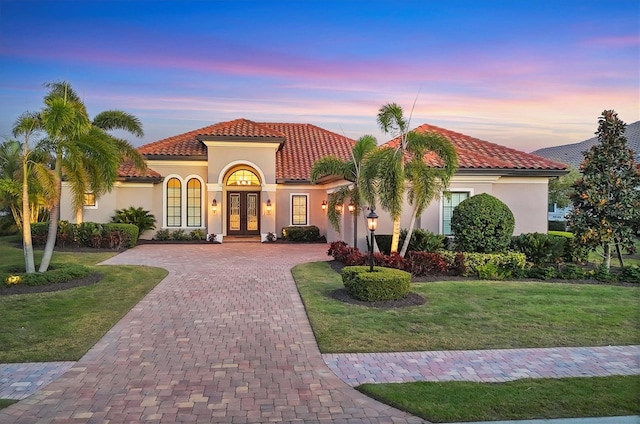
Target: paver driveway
(224,338)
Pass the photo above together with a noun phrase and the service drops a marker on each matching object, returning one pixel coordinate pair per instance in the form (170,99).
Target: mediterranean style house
(248,179)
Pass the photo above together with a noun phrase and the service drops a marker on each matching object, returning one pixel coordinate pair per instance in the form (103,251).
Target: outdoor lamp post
(372,223)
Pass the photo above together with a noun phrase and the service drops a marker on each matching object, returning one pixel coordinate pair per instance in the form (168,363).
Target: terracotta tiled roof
(474,153)
(303,144)
(128,170)
(306,143)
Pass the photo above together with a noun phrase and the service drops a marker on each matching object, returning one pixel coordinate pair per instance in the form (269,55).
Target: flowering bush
(424,263)
(13,280)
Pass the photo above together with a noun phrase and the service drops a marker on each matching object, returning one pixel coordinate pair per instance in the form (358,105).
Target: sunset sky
(522,73)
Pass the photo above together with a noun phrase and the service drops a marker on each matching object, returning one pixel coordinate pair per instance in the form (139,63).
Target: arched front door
(243,203)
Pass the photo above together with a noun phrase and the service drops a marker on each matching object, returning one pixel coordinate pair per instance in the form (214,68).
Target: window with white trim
(90,200)
(299,210)
(174,203)
(194,203)
(449,202)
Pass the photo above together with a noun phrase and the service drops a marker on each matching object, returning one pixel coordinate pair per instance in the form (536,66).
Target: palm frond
(118,120)
(329,165)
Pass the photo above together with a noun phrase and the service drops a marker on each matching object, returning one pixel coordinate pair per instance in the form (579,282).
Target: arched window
(243,177)
(174,203)
(194,203)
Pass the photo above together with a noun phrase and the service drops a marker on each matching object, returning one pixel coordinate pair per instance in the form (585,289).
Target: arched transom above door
(243,178)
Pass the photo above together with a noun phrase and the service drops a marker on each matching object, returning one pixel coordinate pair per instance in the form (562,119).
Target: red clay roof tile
(474,153)
(128,170)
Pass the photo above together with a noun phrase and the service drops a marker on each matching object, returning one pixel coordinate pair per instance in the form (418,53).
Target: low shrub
(178,235)
(381,284)
(87,234)
(197,234)
(427,263)
(509,263)
(421,241)
(163,235)
(489,271)
(393,260)
(57,274)
(131,232)
(602,273)
(384,243)
(541,272)
(630,274)
(572,272)
(539,248)
(297,233)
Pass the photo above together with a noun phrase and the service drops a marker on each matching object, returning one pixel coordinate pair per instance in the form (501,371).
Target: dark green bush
(630,274)
(57,274)
(421,241)
(162,235)
(384,243)
(130,230)
(539,248)
(572,272)
(489,271)
(557,225)
(507,264)
(483,224)
(542,272)
(297,233)
(381,284)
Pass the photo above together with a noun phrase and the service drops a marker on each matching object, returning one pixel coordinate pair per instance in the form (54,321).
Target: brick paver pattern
(224,338)
(485,365)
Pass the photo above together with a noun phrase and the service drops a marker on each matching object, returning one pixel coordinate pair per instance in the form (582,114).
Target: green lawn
(63,325)
(471,315)
(521,399)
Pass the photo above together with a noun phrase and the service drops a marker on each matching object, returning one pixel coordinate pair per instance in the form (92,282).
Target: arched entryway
(242,186)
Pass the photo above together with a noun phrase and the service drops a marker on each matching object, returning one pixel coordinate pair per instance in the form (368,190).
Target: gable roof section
(479,155)
(572,154)
(301,144)
(128,171)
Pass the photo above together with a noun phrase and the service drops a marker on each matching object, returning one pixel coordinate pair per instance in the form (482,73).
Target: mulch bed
(90,279)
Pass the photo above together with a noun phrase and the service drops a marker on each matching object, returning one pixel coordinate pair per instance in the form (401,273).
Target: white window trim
(183,202)
(441,205)
(291,209)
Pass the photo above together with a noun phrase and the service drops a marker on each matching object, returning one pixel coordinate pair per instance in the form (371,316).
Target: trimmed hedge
(540,248)
(381,284)
(482,223)
(57,274)
(88,234)
(510,264)
(297,233)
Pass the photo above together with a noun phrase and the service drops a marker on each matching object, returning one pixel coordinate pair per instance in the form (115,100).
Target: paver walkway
(224,338)
(485,365)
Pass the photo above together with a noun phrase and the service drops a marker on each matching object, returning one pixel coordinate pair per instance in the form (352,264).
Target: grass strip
(6,402)
(522,399)
(462,315)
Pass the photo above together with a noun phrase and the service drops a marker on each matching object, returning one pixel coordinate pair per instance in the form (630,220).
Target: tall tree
(607,198)
(349,170)
(561,188)
(389,172)
(83,150)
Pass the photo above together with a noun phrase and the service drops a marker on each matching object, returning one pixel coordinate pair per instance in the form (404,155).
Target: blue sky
(525,74)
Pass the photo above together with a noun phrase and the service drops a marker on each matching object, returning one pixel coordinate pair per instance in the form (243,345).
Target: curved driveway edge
(224,338)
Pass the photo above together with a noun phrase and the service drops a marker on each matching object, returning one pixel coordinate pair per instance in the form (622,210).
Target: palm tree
(349,170)
(85,151)
(389,171)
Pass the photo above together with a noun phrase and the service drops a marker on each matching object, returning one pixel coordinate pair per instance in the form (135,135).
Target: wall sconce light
(214,205)
(351,207)
(268,205)
(339,207)
(324,205)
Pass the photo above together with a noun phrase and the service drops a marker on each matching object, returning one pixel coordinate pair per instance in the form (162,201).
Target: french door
(243,213)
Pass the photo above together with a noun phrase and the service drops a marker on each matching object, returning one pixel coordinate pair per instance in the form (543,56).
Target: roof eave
(175,157)
(241,139)
(520,172)
(154,180)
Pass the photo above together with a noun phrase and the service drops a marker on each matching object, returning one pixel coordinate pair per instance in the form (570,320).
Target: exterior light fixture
(214,206)
(324,205)
(268,205)
(339,207)
(351,207)
(372,223)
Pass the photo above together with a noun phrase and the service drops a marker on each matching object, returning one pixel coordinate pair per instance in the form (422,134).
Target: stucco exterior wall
(527,199)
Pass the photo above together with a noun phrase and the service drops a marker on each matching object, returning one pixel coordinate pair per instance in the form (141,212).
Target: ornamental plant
(483,224)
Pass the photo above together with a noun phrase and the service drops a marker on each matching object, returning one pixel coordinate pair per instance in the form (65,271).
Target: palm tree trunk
(53,219)
(79,216)
(27,244)
(407,239)
(395,238)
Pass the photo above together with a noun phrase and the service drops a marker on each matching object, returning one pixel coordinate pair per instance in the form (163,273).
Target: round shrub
(483,224)
(381,284)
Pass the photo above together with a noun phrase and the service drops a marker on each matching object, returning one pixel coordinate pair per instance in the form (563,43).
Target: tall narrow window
(299,209)
(194,203)
(449,203)
(174,203)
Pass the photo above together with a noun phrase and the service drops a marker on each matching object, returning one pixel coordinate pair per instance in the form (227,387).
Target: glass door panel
(234,211)
(252,211)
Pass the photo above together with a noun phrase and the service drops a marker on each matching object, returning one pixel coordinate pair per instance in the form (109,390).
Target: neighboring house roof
(301,144)
(572,154)
(479,155)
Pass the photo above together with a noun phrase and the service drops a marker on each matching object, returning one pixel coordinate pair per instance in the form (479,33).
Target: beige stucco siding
(316,216)
(527,198)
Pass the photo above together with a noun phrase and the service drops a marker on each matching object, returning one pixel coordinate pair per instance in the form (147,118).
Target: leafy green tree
(606,200)
(87,153)
(561,188)
(390,171)
(139,217)
(349,170)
